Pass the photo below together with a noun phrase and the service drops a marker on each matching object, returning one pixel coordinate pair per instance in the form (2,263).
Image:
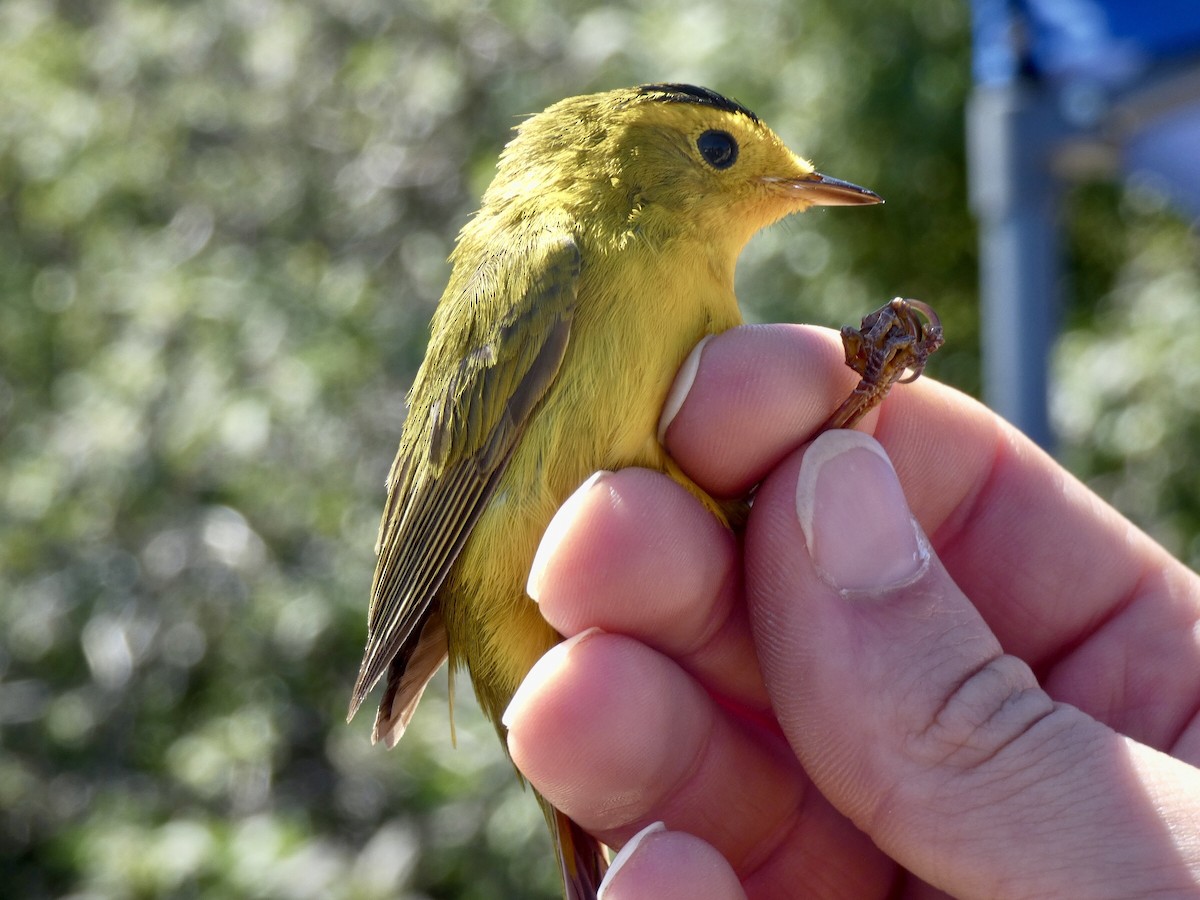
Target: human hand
(1001,701)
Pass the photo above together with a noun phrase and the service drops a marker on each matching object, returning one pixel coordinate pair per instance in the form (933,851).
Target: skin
(999,701)
(603,252)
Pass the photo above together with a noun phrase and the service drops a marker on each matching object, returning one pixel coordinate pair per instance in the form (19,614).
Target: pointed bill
(823,190)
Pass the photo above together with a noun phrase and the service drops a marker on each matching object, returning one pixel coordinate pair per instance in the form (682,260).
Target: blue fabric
(1111,41)
(1105,47)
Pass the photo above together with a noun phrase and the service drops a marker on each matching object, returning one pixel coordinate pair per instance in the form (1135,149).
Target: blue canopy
(1112,41)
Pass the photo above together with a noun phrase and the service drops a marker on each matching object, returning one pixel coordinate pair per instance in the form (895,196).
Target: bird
(602,252)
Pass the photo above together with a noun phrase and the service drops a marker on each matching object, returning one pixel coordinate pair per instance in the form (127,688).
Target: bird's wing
(456,444)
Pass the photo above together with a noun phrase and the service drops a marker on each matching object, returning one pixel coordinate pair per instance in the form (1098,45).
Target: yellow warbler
(603,252)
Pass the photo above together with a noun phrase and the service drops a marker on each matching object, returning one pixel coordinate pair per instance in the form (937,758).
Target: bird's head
(664,162)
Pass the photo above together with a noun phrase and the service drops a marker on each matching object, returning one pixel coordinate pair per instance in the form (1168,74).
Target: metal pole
(1011,132)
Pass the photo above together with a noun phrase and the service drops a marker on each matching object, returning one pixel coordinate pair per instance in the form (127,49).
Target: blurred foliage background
(223,228)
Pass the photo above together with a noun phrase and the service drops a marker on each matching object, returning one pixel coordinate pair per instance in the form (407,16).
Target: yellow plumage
(603,252)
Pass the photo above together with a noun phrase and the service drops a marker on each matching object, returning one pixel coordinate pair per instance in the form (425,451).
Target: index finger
(1044,560)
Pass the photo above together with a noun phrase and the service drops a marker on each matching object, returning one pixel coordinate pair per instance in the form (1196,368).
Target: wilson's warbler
(603,252)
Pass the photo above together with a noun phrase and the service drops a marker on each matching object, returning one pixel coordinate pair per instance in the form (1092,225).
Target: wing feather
(457,443)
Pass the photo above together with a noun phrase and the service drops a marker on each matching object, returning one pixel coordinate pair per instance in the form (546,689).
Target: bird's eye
(718,148)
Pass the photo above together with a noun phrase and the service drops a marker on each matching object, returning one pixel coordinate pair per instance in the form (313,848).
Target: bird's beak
(821,190)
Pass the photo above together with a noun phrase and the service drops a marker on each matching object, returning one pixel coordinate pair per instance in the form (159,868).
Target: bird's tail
(580,856)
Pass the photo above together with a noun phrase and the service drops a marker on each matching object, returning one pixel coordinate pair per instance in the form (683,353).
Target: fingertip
(639,555)
(559,527)
(543,673)
(681,387)
(657,864)
(756,393)
(586,728)
(625,854)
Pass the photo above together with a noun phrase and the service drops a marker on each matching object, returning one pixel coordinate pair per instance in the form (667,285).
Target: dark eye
(718,148)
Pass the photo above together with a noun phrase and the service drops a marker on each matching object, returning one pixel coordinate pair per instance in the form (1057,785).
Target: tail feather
(408,674)
(580,856)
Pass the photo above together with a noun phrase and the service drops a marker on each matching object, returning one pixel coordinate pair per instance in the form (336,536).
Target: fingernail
(555,532)
(543,669)
(625,854)
(680,387)
(856,522)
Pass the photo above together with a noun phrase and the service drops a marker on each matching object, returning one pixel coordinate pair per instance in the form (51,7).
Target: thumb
(905,711)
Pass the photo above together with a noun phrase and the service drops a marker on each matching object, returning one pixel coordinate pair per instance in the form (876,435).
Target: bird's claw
(892,345)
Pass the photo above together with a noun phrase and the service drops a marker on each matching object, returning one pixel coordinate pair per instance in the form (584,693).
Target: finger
(909,717)
(747,397)
(1018,533)
(634,553)
(617,736)
(658,864)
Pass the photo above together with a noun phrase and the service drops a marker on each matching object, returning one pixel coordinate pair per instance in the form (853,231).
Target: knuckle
(989,712)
